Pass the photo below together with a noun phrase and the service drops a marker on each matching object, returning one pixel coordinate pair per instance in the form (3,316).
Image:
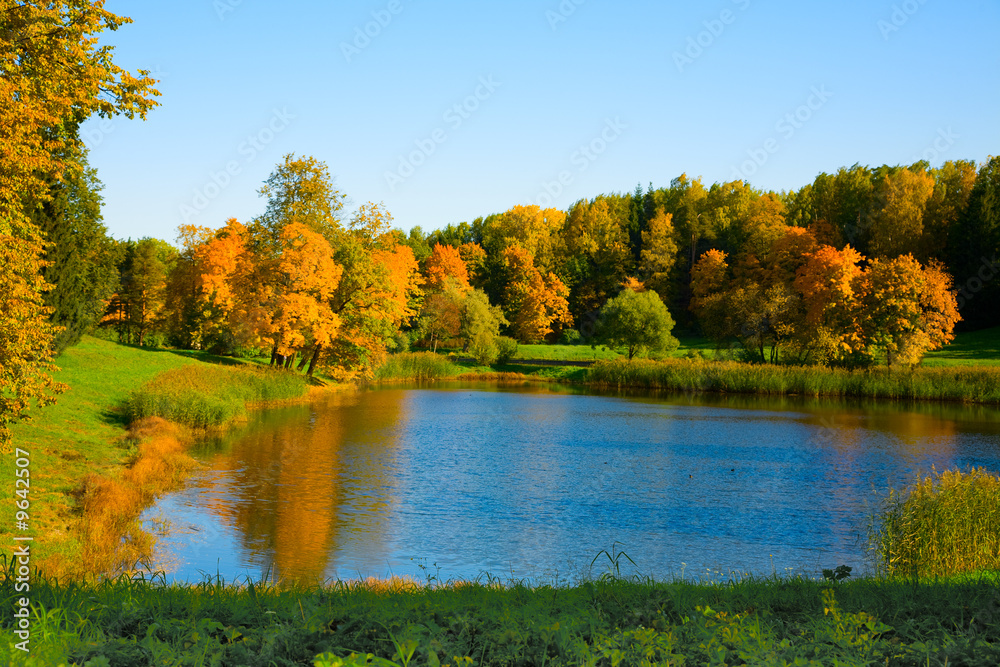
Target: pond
(456,481)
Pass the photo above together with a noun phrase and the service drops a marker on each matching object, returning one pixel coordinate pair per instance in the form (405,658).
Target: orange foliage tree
(445,262)
(905,309)
(535,303)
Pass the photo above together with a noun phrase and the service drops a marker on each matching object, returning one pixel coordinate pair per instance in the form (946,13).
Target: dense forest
(853,269)
(860,267)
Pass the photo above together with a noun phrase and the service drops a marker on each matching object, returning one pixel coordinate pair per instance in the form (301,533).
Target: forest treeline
(862,266)
(854,269)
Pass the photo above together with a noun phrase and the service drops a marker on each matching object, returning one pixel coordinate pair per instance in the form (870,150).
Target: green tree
(142,289)
(481,324)
(637,321)
(81,260)
(976,250)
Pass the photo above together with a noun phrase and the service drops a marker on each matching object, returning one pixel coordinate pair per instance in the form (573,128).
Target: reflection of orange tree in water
(288,484)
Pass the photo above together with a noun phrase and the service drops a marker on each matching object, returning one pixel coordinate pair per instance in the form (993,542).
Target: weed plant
(211,395)
(979,385)
(408,366)
(945,524)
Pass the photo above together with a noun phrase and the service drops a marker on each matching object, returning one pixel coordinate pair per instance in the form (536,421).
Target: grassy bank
(99,454)
(609,621)
(979,385)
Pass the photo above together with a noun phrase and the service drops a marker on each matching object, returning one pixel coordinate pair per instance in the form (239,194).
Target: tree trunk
(274,355)
(315,358)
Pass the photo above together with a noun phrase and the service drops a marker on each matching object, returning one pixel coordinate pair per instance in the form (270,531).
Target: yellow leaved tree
(53,76)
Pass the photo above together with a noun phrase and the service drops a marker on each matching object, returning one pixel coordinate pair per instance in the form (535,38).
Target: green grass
(607,621)
(83,433)
(944,524)
(981,348)
(408,366)
(973,384)
(564,353)
(80,434)
(211,395)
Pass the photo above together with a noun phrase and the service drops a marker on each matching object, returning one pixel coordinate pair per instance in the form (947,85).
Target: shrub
(506,349)
(945,524)
(204,395)
(416,366)
(569,337)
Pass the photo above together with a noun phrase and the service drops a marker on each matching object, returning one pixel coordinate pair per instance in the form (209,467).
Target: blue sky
(449,110)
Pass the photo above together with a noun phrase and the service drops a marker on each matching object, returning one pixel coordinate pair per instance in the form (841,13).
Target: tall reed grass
(205,395)
(416,366)
(944,524)
(979,385)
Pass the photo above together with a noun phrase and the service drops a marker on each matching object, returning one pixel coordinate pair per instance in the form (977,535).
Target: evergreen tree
(81,258)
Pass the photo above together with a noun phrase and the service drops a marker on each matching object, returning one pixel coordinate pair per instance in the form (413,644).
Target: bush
(416,366)
(206,395)
(484,350)
(945,524)
(506,349)
(570,337)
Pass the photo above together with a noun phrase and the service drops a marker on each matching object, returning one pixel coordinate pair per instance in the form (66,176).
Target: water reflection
(535,482)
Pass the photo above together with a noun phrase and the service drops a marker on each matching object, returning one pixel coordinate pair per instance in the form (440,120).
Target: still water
(532,483)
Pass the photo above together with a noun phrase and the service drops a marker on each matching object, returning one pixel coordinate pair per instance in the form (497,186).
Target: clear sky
(449,110)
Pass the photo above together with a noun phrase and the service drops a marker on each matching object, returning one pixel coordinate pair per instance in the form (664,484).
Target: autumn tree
(827,282)
(659,252)
(441,316)
(637,321)
(53,75)
(379,292)
(905,309)
(598,255)
(531,227)
(445,263)
(897,221)
(535,304)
